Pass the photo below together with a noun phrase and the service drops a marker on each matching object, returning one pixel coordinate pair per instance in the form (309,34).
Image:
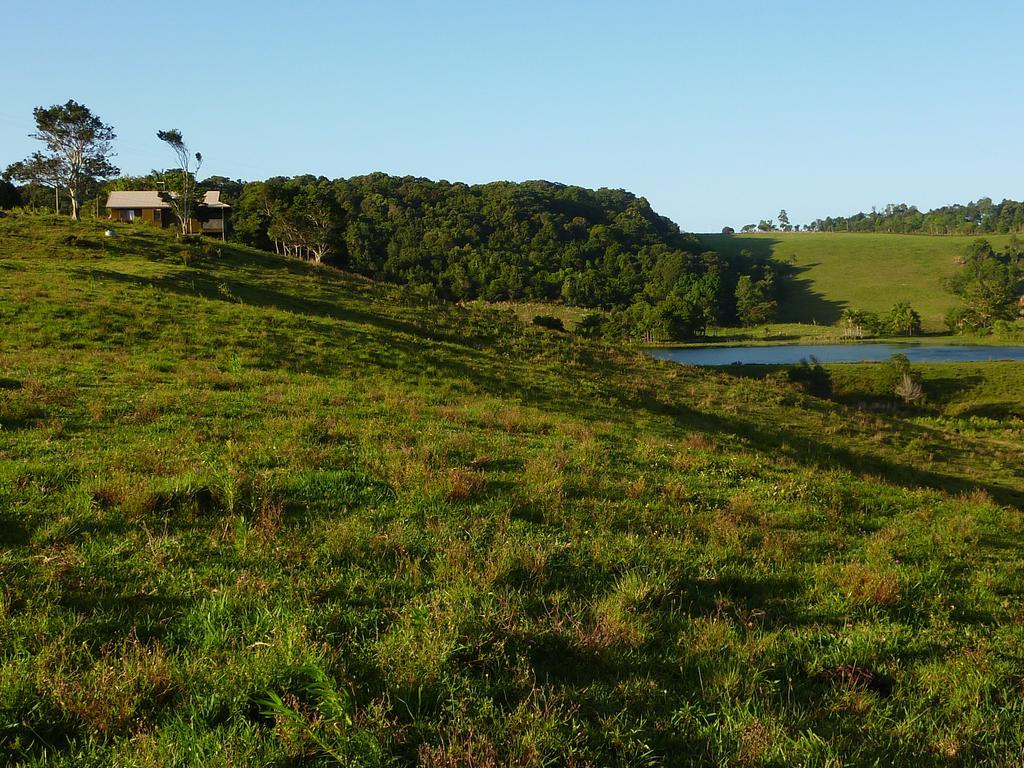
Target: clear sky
(719,113)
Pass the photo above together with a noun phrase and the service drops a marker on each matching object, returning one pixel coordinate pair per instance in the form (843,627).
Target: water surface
(790,354)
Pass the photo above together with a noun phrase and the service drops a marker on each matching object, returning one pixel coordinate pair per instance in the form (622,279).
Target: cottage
(210,215)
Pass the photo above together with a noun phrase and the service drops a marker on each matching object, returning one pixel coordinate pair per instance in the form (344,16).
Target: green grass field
(829,272)
(255,512)
(527,310)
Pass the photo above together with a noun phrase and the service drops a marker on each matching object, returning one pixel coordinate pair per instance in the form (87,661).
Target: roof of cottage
(150,198)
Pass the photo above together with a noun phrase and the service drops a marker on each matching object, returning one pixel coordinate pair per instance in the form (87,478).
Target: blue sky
(719,113)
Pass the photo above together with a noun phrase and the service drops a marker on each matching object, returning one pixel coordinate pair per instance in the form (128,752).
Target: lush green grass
(829,272)
(527,310)
(253,512)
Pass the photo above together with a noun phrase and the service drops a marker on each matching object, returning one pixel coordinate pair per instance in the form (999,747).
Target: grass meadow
(831,271)
(256,512)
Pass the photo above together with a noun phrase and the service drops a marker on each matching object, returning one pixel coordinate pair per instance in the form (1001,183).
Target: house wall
(163,217)
(151,216)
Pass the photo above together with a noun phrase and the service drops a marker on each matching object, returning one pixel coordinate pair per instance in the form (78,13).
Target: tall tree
(754,302)
(78,151)
(40,172)
(990,285)
(784,220)
(181,190)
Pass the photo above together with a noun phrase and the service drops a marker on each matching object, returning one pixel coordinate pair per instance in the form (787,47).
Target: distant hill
(824,273)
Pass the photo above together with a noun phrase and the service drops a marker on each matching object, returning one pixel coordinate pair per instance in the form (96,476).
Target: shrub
(548,321)
(909,389)
(858,323)
(902,381)
(591,325)
(903,320)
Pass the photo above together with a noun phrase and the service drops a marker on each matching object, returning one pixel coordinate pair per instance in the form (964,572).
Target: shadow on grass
(523,379)
(996,411)
(798,301)
(196,283)
(807,450)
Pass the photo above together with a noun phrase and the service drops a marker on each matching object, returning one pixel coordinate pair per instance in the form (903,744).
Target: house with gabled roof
(209,217)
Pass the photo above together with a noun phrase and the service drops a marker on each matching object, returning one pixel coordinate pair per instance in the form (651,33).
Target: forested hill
(504,240)
(534,241)
(981,217)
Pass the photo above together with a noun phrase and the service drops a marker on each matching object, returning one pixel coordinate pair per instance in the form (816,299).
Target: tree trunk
(76,214)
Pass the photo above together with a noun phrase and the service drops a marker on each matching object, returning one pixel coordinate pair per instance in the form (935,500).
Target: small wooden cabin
(210,216)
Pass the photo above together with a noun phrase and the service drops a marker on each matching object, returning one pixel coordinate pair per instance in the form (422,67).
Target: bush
(549,321)
(1008,331)
(421,294)
(903,320)
(591,325)
(902,381)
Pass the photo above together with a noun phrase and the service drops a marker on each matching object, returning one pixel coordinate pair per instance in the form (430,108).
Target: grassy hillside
(253,512)
(829,272)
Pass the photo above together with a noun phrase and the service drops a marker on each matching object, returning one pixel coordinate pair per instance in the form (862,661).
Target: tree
(308,228)
(181,191)
(784,220)
(754,302)
(78,151)
(990,285)
(903,320)
(857,323)
(39,172)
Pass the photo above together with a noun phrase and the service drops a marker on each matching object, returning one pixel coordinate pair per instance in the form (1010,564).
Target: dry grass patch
(462,483)
(116,694)
(619,618)
(870,584)
(544,482)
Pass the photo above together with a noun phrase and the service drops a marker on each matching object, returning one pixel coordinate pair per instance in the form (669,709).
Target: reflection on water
(789,354)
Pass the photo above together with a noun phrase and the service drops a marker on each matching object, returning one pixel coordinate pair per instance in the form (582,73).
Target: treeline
(981,217)
(502,241)
(603,249)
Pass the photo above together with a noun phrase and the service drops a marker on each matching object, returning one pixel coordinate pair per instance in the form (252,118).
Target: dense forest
(535,241)
(981,217)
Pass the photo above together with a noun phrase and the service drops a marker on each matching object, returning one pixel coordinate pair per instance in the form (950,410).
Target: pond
(790,354)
